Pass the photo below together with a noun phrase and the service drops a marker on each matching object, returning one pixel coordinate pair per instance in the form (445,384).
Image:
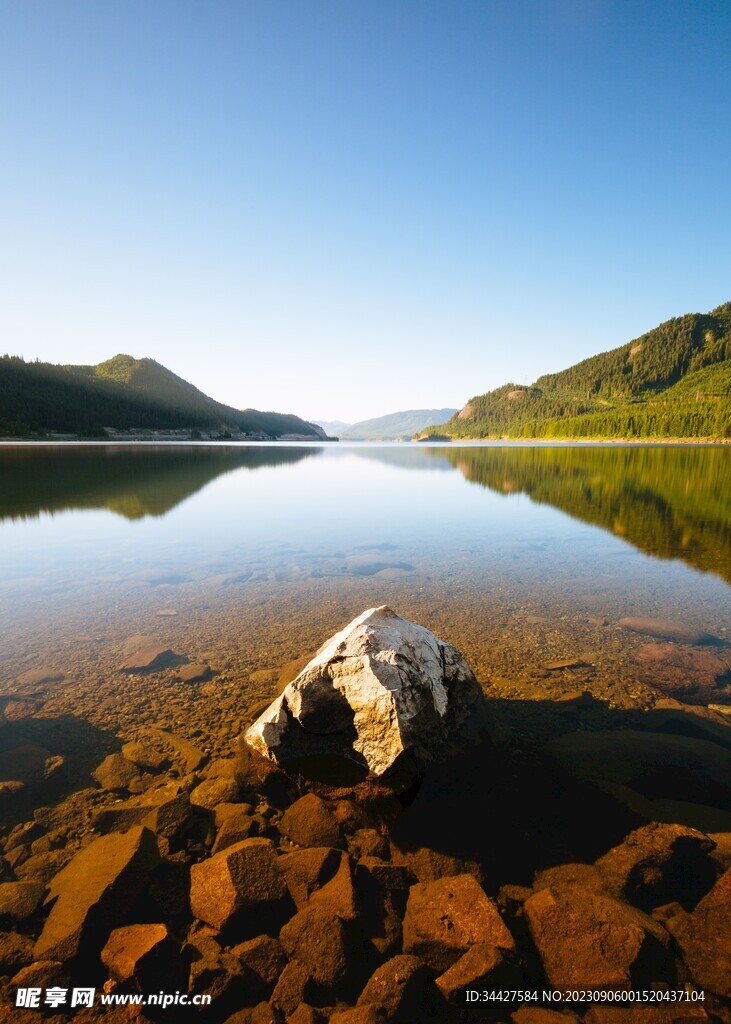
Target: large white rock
(383,693)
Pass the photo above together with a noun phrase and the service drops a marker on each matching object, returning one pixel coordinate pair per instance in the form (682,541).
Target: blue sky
(349,207)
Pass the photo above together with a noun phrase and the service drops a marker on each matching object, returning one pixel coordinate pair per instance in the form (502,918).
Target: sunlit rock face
(383,693)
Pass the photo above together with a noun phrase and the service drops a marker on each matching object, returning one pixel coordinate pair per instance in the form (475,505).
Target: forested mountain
(396,426)
(123,393)
(674,381)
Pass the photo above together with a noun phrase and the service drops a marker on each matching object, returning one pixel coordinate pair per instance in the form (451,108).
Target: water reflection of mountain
(132,481)
(400,456)
(670,502)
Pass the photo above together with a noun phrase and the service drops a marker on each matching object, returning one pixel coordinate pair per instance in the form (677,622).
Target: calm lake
(248,557)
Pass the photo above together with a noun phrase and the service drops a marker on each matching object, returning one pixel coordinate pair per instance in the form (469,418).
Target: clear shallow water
(519,555)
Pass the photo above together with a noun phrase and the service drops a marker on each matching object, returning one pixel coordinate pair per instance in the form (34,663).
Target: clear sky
(342,208)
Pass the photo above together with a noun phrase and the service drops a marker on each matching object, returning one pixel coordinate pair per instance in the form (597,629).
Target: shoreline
(317,442)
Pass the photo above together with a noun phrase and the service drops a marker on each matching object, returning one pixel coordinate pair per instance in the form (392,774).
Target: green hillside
(124,394)
(674,381)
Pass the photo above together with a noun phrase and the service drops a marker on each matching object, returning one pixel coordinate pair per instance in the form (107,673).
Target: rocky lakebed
(373,838)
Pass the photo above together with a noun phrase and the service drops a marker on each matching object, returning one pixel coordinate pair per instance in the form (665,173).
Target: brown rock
(223,811)
(155,749)
(42,866)
(40,677)
(27,832)
(215,791)
(15,952)
(428,865)
(587,940)
(693,676)
(119,818)
(306,871)
(94,893)
(510,898)
(704,938)
(264,957)
(116,772)
(446,917)
(660,863)
(397,990)
(392,877)
(194,673)
(367,842)
(168,819)
(143,953)
(338,895)
(558,666)
(310,822)
(17,710)
(305,1014)
(19,900)
(357,1015)
(318,940)
(295,986)
(147,656)
(263,1014)
(240,878)
(216,973)
(721,854)
(171,818)
(322,877)
(380,922)
(571,876)
(40,974)
(667,629)
(234,828)
(481,967)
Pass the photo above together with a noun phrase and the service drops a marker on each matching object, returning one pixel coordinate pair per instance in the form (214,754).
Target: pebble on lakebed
(293,900)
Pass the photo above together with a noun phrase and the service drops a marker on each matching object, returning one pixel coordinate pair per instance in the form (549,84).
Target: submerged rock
(41,677)
(693,676)
(667,629)
(143,654)
(383,693)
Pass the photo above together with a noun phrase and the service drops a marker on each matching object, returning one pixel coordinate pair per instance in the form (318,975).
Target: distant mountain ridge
(333,428)
(124,393)
(673,381)
(395,426)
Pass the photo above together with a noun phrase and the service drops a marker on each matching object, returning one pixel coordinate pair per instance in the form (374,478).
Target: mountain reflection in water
(667,501)
(133,481)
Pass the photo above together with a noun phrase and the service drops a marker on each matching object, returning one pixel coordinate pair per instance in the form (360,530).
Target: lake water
(248,557)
